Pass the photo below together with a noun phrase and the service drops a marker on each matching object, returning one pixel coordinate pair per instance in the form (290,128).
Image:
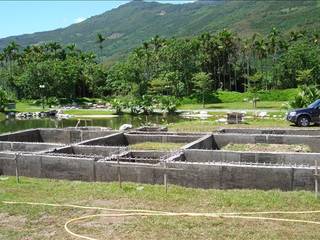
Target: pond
(11,125)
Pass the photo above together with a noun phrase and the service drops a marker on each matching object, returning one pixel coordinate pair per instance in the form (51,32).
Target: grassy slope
(21,222)
(136,22)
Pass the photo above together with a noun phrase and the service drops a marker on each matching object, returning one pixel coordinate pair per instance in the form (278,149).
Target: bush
(168,103)
(5,98)
(119,105)
(52,101)
(307,95)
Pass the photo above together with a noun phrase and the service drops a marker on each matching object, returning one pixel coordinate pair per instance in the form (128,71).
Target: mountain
(130,24)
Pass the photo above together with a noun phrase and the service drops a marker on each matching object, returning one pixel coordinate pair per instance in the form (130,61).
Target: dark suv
(304,116)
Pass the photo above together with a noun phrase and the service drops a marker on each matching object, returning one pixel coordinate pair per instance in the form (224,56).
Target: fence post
(165,180)
(316,179)
(17,168)
(119,172)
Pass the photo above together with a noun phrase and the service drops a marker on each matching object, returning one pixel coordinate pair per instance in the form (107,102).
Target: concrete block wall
(54,135)
(32,135)
(145,154)
(116,139)
(241,177)
(138,138)
(42,166)
(68,168)
(221,140)
(195,155)
(206,142)
(222,176)
(140,173)
(26,146)
(71,135)
(98,150)
(212,176)
(271,131)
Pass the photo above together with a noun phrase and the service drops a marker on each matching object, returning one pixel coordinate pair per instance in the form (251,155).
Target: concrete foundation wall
(222,140)
(254,157)
(138,138)
(196,175)
(205,142)
(212,176)
(117,139)
(32,135)
(99,150)
(146,154)
(271,131)
(108,171)
(48,167)
(67,168)
(26,146)
(71,135)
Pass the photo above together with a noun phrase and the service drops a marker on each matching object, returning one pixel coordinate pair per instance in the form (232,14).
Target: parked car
(303,117)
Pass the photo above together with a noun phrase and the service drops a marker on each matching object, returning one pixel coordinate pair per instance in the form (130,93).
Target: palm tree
(100,40)
(11,53)
(54,47)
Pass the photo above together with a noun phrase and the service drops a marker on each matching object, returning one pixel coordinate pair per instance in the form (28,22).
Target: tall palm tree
(54,47)
(11,53)
(100,40)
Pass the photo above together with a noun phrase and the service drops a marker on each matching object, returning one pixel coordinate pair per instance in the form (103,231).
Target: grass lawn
(42,222)
(88,112)
(272,105)
(29,107)
(263,147)
(156,146)
(211,125)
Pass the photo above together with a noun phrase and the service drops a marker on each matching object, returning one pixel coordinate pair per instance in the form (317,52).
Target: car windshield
(314,104)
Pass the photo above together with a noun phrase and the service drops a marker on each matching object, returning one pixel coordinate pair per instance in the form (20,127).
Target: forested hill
(131,24)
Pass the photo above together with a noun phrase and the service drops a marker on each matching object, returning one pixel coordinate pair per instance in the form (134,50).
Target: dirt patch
(156,146)
(12,221)
(263,147)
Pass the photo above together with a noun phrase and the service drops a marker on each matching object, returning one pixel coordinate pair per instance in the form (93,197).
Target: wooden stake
(17,168)
(316,179)
(165,177)
(119,172)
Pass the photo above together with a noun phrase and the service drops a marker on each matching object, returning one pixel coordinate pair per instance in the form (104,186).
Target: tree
(305,76)
(254,86)
(4,99)
(202,81)
(100,40)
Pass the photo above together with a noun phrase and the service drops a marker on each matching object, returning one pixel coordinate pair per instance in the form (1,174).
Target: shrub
(307,95)
(168,103)
(5,98)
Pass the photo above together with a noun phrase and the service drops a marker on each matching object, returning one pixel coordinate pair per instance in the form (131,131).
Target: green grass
(29,107)
(167,146)
(269,105)
(263,147)
(269,95)
(211,125)
(88,112)
(40,222)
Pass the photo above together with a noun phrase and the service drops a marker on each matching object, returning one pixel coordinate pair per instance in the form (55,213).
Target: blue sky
(19,17)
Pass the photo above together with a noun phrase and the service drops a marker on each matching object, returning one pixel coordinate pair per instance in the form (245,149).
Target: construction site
(105,155)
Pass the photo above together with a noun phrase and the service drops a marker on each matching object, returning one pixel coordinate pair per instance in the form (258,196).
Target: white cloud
(79,19)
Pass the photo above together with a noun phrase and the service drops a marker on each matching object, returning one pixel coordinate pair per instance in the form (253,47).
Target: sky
(19,17)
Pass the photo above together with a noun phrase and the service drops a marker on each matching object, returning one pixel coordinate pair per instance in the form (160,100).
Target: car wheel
(303,121)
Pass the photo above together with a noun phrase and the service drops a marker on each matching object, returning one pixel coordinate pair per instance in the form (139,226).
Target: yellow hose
(136,212)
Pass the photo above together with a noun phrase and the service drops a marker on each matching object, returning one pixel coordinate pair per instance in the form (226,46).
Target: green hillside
(130,24)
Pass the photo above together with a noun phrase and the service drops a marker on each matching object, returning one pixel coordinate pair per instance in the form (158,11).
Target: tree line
(176,67)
